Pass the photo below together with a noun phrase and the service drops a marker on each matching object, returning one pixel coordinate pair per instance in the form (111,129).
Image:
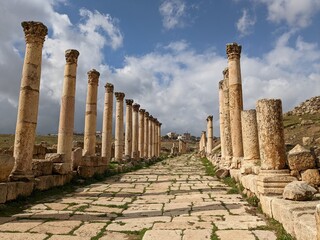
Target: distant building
(187,136)
(172,135)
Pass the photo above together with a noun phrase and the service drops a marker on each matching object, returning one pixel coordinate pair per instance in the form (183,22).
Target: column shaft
(210,135)
(141,133)
(146,134)
(222,119)
(135,131)
(159,139)
(150,137)
(128,132)
(118,143)
(227,127)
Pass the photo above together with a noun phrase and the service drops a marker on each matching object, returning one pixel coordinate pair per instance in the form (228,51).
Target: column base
(19,176)
(236,162)
(247,166)
(273,182)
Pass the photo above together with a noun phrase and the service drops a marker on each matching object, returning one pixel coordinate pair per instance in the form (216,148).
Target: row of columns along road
(248,137)
(142,135)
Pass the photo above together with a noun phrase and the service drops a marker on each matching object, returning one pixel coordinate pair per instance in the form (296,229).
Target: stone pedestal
(210,135)
(128,132)
(66,122)
(146,134)
(90,124)
(118,142)
(235,99)
(271,134)
(141,133)
(35,33)
(135,131)
(107,124)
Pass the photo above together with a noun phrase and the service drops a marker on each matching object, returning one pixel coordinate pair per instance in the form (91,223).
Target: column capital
(221,85)
(209,118)
(119,96)
(160,124)
(233,51)
(146,114)
(109,87)
(151,118)
(35,32)
(71,56)
(142,110)
(129,102)
(225,73)
(93,76)
(135,107)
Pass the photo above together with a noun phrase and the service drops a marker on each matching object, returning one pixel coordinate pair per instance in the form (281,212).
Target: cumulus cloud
(173,13)
(295,13)
(245,23)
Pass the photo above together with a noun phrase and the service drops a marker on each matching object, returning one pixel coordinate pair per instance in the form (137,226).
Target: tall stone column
(222,119)
(235,99)
(154,134)
(146,134)
(35,33)
(156,138)
(271,134)
(159,139)
(66,122)
(135,131)
(226,111)
(141,133)
(203,142)
(118,142)
(90,124)
(107,124)
(210,134)
(150,148)
(250,140)
(128,133)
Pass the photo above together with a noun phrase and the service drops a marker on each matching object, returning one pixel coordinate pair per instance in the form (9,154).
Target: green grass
(231,183)
(214,236)
(210,169)
(277,228)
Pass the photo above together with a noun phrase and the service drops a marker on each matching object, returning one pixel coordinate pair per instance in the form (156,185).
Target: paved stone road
(173,200)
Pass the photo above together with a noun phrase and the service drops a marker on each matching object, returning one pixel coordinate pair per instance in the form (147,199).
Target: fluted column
(222,119)
(66,122)
(154,143)
(146,134)
(135,132)
(235,98)
(128,133)
(150,140)
(159,137)
(141,133)
(35,33)
(90,124)
(156,137)
(107,124)
(210,134)
(118,142)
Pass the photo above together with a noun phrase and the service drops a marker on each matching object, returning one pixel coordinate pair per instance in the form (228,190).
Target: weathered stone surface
(44,182)
(6,163)
(222,173)
(16,189)
(300,158)
(22,236)
(163,235)
(41,167)
(306,141)
(61,168)
(298,191)
(21,226)
(235,234)
(311,176)
(76,157)
(318,221)
(55,157)
(89,229)
(56,227)
(3,192)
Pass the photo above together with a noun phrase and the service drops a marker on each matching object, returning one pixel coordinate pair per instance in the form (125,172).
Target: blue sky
(167,55)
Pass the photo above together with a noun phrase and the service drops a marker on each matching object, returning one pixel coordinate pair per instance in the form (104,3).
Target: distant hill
(310,106)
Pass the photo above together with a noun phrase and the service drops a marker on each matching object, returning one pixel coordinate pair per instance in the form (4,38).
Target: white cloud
(173,13)
(296,13)
(245,23)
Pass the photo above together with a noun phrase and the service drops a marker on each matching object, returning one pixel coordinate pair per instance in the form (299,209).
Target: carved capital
(146,114)
(119,96)
(225,73)
(142,110)
(221,85)
(150,118)
(233,51)
(129,102)
(209,118)
(93,76)
(71,56)
(34,32)
(135,107)
(109,87)
(160,124)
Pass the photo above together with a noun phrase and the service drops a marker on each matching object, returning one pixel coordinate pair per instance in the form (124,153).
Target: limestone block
(44,182)
(16,189)
(305,227)
(3,192)
(318,221)
(61,168)
(298,191)
(222,173)
(311,176)
(306,141)
(60,180)
(6,163)
(89,161)
(41,167)
(85,171)
(235,173)
(76,157)
(266,205)
(55,157)
(300,158)
(39,149)
(250,182)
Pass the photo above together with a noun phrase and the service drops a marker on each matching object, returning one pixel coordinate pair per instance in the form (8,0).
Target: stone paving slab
(173,200)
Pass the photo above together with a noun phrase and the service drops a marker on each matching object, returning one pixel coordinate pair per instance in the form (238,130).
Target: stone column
(107,124)
(154,146)
(118,142)
(318,221)
(271,134)
(35,33)
(90,124)
(66,122)
(203,142)
(159,139)
(235,99)
(210,134)
(141,133)
(128,133)
(226,111)
(250,140)
(222,119)
(135,131)
(150,148)
(146,134)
